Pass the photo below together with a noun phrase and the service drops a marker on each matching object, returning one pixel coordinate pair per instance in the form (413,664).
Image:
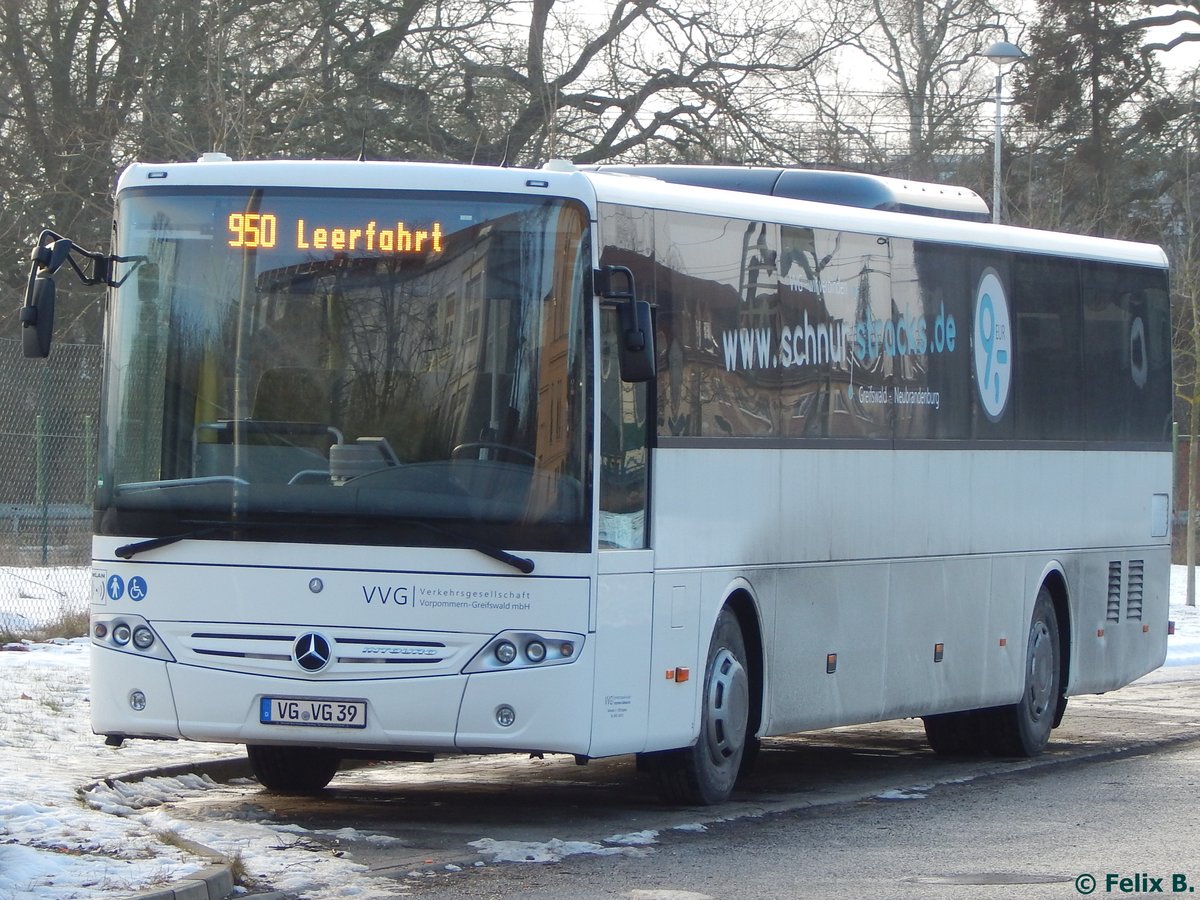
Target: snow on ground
(1183,648)
(61,842)
(32,597)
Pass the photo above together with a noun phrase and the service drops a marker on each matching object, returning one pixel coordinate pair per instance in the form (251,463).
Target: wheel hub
(728,702)
(1041,670)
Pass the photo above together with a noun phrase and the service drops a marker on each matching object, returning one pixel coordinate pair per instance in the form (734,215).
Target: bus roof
(825,186)
(611,186)
(645,191)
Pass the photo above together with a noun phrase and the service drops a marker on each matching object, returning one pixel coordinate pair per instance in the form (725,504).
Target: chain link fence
(48,434)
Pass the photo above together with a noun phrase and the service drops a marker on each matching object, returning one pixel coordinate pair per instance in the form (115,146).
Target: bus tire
(705,773)
(955,734)
(749,756)
(293,770)
(1023,729)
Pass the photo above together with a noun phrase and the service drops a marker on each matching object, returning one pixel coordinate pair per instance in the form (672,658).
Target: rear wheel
(1023,729)
(705,772)
(293,770)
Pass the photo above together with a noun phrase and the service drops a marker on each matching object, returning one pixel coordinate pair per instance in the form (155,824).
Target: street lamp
(1001,53)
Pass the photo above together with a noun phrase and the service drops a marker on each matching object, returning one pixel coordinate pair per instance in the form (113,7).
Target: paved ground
(435,811)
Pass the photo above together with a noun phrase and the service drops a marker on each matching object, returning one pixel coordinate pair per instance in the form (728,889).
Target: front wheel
(955,734)
(705,773)
(293,770)
(1023,729)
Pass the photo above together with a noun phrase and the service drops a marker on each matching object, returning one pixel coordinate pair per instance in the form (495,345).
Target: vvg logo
(992,339)
(398,595)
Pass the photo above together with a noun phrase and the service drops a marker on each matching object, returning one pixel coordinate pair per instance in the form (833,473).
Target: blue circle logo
(993,345)
(137,588)
(115,587)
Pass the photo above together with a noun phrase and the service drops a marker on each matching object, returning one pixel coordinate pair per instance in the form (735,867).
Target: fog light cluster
(535,651)
(129,634)
(525,649)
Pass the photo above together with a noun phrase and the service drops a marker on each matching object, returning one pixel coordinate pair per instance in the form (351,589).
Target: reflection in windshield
(281,355)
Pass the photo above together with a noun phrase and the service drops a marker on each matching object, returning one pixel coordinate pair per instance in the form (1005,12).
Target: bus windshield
(373,367)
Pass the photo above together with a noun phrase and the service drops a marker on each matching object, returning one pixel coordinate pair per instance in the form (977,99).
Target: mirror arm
(622,300)
(636,322)
(52,250)
(102,268)
(603,284)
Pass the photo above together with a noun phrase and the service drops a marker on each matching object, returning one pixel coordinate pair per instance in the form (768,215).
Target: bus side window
(623,451)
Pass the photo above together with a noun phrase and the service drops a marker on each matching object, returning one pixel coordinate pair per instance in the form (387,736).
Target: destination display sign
(267,231)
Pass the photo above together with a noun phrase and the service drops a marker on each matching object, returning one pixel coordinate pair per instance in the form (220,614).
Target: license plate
(308,711)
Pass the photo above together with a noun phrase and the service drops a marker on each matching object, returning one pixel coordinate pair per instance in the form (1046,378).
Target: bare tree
(1181,239)
(73,71)
(636,78)
(94,84)
(1186,353)
(1181,14)
(1093,97)
(927,53)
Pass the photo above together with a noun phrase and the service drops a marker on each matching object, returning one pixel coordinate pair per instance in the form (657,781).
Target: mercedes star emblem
(312,652)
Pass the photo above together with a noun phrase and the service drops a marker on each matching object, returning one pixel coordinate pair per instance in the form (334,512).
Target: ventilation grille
(1133,593)
(1114,592)
(355,652)
(346,649)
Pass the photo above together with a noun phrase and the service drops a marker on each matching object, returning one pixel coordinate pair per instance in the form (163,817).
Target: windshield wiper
(520,563)
(128,551)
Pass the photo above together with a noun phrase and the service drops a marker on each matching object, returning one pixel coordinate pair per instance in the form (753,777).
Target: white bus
(401,460)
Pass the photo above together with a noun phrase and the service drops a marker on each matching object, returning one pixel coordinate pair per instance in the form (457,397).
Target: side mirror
(637,342)
(37,313)
(51,253)
(37,318)
(637,356)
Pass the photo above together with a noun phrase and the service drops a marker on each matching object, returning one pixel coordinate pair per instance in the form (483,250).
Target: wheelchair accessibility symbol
(137,588)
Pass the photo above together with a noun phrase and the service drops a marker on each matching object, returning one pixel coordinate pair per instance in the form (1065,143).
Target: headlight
(506,652)
(129,634)
(537,650)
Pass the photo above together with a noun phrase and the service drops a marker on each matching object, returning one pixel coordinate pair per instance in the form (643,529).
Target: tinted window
(718,299)
(936,284)
(1048,367)
(788,332)
(1127,374)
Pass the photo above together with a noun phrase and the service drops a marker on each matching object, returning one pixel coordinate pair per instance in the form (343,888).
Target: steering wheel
(461,449)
